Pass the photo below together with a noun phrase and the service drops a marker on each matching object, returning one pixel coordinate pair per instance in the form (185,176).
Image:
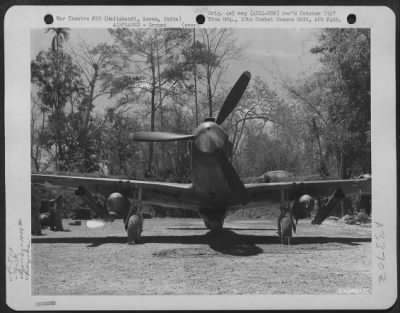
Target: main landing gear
(134,220)
(286,222)
(302,208)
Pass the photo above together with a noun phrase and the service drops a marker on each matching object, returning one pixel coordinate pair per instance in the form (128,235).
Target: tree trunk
(58,146)
(89,102)
(195,77)
(345,163)
(153,110)
(90,98)
(210,104)
(160,101)
(322,165)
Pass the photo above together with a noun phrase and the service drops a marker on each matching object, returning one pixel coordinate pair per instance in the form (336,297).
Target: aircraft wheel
(134,229)
(286,229)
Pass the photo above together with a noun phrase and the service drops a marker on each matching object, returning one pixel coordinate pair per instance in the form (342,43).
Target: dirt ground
(180,256)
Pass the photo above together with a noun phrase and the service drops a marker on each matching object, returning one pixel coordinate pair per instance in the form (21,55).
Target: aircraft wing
(260,193)
(165,194)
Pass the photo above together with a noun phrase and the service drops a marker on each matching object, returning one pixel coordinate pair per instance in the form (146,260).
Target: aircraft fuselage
(209,182)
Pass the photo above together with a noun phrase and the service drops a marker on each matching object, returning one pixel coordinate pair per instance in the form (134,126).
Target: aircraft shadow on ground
(225,228)
(225,241)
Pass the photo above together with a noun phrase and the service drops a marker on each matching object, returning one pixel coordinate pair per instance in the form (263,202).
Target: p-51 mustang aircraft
(216,187)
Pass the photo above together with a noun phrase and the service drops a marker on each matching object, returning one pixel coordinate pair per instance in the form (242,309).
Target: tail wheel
(134,229)
(214,225)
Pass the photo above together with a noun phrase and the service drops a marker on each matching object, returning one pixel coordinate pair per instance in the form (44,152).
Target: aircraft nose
(209,139)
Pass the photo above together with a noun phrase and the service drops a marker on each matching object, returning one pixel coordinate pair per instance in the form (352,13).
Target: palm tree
(61,35)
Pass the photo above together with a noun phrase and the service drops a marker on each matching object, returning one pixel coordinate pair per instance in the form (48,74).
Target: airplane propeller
(228,106)
(211,139)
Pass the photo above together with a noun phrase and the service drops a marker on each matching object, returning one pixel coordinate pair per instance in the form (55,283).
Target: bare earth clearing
(180,256)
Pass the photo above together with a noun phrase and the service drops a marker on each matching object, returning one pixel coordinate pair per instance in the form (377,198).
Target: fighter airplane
(215,188)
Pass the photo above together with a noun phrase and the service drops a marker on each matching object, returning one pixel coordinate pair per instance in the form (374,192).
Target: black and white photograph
(199,160)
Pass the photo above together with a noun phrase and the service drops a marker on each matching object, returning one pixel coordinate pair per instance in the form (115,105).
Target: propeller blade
(233,97)
(232,177)
(159,136)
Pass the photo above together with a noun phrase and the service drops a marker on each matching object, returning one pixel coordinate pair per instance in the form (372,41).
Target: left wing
(172,195)
(260,193)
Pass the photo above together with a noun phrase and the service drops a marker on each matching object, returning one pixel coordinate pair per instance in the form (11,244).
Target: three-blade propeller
(231,101)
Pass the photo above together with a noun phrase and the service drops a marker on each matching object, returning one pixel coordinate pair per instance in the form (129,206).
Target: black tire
(286,229)
(134,229)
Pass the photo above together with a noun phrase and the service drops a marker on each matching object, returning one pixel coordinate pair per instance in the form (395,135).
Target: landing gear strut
(286,223)
(134,221)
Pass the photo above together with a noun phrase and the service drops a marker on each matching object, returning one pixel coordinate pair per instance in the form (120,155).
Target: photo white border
(18,22)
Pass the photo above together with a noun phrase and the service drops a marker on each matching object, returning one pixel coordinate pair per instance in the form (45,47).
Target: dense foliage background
(170,80)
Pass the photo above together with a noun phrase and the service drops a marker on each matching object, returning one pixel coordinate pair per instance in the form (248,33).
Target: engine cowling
(117,205)
(303,207)
(45,219)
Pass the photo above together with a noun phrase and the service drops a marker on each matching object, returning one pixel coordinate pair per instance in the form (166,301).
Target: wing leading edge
(177,195)
(260,193)
(173,195)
